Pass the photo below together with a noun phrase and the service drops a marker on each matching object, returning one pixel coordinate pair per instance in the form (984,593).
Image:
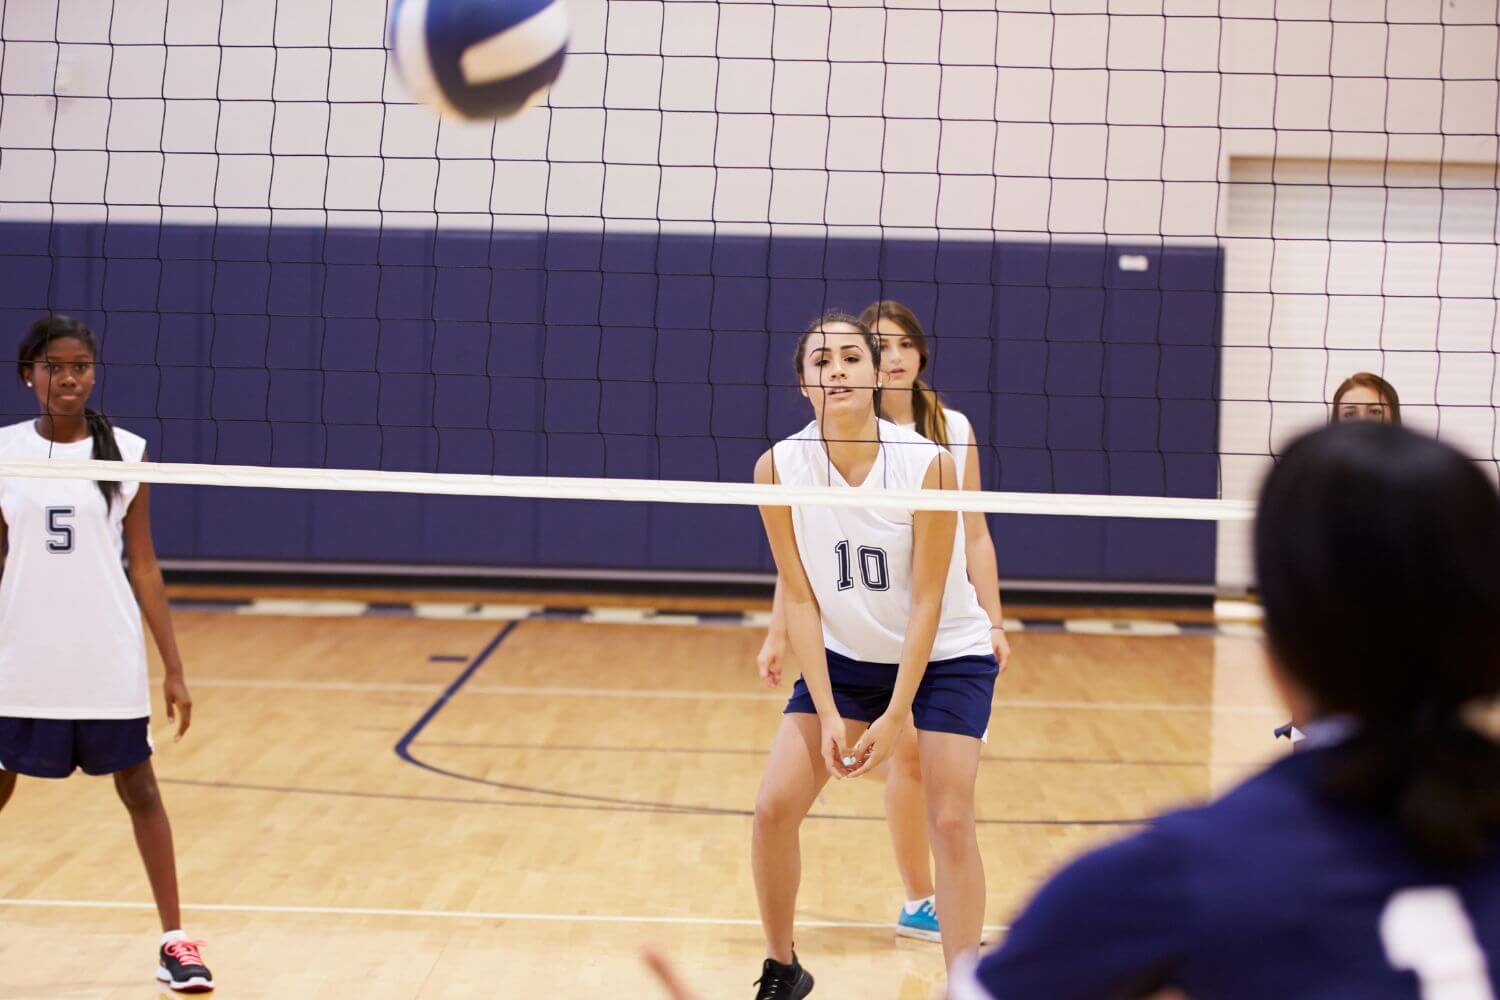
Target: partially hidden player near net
(1368,865)
(887,633)
(73,686)
(908,401)
(1365,865)
(1367,397)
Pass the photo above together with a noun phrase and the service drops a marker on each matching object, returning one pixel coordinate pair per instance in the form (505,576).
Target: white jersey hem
(984,649)
(92,714)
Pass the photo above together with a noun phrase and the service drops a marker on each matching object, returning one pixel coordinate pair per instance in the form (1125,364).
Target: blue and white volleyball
(479,58)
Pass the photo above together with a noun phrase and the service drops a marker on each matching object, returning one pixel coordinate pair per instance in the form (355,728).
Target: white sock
(170,936)
(913,905)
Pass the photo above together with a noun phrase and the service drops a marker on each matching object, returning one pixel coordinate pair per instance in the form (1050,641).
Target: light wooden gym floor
(569,792)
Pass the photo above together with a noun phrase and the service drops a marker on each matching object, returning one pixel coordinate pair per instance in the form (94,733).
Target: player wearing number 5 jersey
(886,630)
(73,690)
(1367,865)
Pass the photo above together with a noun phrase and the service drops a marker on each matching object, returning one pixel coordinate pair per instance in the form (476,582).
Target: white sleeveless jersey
(960,439)
(71,643)
(859,560)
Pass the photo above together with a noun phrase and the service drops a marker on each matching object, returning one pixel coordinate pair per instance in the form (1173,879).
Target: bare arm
(979,548)
(800,615)
(773,650)
(778,608)
(984,569)
(932,553)
(151,594)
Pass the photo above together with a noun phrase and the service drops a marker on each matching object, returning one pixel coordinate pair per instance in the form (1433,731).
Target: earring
(28,383)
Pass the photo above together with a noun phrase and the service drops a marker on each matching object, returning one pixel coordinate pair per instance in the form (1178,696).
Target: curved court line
(403,751)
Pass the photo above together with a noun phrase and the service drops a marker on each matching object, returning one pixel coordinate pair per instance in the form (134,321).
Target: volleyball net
(1147,246)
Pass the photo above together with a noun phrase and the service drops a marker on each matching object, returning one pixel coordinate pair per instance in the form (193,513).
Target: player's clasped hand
(879,741)
(836,747)
(179,705)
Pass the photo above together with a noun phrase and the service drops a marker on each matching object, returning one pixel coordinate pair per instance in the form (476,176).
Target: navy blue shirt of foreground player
(1269,892)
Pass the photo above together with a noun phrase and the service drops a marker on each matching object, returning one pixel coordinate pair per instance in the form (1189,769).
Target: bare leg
(793,777)
(906,816)
(7,785)
(950,764)
(153,836)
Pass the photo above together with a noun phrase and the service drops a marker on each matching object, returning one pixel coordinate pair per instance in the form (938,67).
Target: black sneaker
(181,967)
(783,982)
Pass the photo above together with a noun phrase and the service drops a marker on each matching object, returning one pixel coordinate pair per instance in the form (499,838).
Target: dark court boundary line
(642,807)
(579,800)
(742,752)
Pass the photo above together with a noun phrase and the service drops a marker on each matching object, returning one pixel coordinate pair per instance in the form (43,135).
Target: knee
(952,826)
(777,812)
(138,790)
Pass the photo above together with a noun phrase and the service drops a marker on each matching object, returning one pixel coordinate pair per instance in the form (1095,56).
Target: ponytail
(1435,774)
(106,448)
(927,409)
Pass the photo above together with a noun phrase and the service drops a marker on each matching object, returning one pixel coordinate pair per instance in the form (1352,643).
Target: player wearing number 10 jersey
(887,632)
(73,691)
(1367,866)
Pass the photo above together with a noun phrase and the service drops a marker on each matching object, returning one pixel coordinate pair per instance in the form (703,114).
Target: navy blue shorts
(52,748)
(954,696)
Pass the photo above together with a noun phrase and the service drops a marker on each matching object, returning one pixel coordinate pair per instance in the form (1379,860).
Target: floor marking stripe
(1244,611)
(1238,618)
(265,684)
(381,911)
(1106,626)
(516,690)
(304,609)
(642,616)
(476,612)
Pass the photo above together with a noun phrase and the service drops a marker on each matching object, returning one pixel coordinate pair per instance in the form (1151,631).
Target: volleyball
(478,58)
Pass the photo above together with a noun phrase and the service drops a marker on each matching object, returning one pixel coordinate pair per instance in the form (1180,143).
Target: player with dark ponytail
(1421,549)
(101,432)
(1366,865)
(73,684)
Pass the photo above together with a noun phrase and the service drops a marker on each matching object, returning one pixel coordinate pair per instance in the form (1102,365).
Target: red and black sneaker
(181,967)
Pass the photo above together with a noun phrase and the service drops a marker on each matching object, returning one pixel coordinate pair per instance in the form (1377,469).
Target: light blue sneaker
(922,925)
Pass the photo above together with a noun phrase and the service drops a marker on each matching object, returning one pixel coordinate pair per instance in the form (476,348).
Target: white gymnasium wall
(1354,265)
(965,119)
(1139,120)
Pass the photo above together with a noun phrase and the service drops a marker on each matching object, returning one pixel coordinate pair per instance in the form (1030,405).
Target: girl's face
(899,358)
(62,376)
(838,373)
(1362,403)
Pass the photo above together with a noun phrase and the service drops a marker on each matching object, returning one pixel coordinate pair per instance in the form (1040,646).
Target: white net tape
(650,490)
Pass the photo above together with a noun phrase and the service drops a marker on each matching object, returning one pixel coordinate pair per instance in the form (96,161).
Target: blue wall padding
(629,355)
